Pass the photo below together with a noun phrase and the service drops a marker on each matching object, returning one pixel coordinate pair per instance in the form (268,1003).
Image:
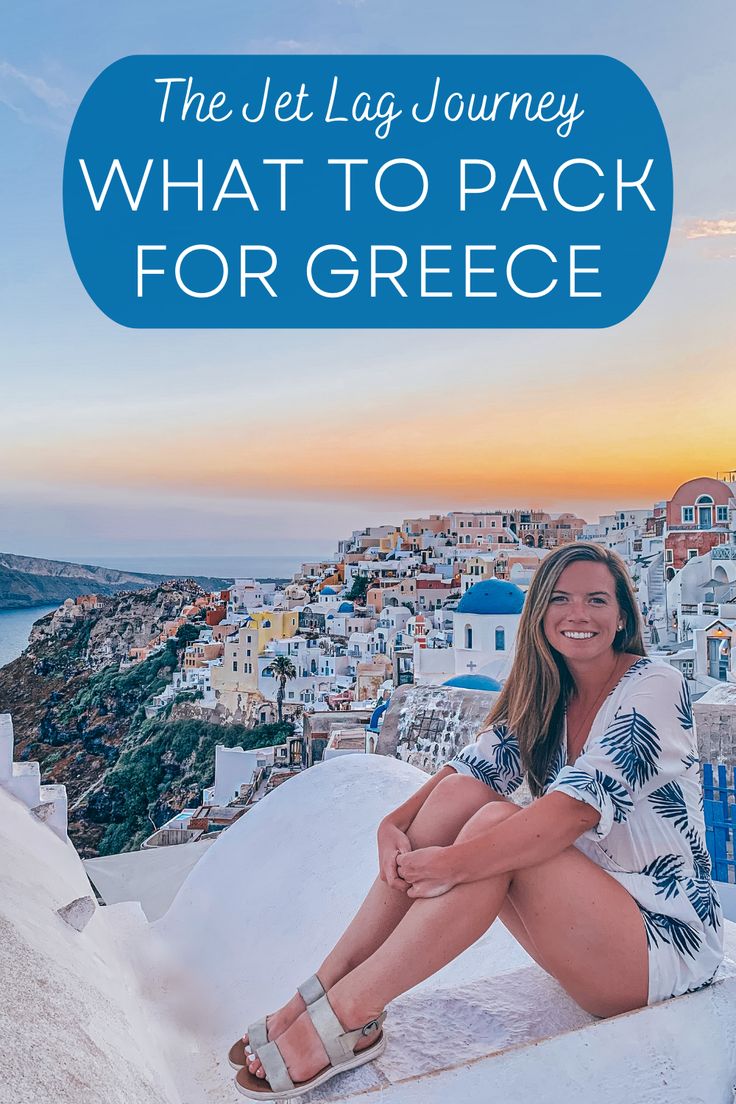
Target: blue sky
(90,409)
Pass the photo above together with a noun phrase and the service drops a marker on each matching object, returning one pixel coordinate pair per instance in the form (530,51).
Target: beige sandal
(310,991)
(338,1043)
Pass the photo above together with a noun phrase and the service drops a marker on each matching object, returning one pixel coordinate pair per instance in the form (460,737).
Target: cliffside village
(435,602)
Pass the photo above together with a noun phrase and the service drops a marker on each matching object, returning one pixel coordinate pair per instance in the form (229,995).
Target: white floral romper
(639,769)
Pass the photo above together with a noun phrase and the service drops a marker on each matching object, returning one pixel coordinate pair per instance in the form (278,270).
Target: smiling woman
(580,630)
(605,739)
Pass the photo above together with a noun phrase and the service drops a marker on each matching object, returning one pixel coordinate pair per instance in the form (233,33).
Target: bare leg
(586,926)
(445,812)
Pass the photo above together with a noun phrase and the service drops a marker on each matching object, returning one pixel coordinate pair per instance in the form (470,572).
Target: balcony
(704,609)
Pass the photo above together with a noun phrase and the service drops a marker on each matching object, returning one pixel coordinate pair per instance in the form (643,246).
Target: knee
(462,790)
(487,817)
(453,801)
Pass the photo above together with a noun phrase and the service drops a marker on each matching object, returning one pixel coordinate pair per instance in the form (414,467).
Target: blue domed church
(485,624)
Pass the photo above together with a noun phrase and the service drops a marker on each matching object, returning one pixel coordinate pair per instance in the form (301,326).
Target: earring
(620,628)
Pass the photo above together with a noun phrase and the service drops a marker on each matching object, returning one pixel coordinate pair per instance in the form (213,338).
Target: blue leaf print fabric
(493,760)
(639,770)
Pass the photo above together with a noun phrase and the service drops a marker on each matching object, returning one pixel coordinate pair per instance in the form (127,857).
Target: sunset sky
(130,443)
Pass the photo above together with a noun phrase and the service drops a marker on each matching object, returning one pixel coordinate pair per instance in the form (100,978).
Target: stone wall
(427,725)
(715,724)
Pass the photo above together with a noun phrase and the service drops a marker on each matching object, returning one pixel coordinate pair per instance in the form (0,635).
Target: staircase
(656,580)
(23,781)
(656,588)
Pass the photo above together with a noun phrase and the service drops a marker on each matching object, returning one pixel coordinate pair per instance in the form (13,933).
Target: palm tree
(281,668)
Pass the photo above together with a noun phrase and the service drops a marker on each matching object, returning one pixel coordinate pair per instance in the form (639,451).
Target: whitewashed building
(485,624)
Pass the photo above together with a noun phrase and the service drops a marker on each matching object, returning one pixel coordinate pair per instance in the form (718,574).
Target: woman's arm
(392,838)
(533,835)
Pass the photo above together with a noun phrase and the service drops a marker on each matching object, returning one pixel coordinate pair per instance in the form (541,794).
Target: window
(688,514)
(692,553)
(247,651)
(500,640)
(721,513)
(235,665)
(668,555)
(703,499)
(427,724)
(468,636)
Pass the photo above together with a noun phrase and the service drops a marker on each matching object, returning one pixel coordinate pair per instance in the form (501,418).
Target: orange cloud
(709,228)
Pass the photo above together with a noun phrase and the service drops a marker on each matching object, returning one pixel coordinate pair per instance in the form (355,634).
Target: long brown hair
(533,699)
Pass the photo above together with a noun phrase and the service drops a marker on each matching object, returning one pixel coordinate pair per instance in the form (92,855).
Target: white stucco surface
(152,877)
(74,1028)
(125,1011)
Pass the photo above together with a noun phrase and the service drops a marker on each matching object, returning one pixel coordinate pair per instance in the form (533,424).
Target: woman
(604,878)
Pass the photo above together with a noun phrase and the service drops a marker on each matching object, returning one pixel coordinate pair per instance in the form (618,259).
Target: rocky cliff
(81,715)
(27,581)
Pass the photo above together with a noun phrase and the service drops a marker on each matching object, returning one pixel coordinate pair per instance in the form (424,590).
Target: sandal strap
(257,1035)
(350,1038)
(311,990)
(338,1043)
(274,1067)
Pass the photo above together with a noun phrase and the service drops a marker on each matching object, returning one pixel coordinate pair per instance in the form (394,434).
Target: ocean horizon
(217,567)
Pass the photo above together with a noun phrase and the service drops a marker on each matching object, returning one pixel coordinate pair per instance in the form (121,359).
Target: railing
(723,552)
(719,807)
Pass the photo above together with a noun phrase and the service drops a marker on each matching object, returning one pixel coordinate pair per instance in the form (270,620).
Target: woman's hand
(392,842)
(428,871)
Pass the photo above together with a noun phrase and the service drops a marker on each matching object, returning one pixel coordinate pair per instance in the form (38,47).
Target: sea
(15,628)
(15,625)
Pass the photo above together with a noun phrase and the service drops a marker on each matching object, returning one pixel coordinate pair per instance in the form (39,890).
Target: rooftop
(492,596)
(474,682)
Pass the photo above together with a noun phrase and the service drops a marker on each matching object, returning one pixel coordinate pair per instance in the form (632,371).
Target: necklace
(573,737)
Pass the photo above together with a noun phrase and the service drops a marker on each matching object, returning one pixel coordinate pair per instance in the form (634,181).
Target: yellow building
(272,625)
(238,673)
(391,541)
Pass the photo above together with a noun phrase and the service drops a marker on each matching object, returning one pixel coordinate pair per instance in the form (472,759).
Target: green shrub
(170,758)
